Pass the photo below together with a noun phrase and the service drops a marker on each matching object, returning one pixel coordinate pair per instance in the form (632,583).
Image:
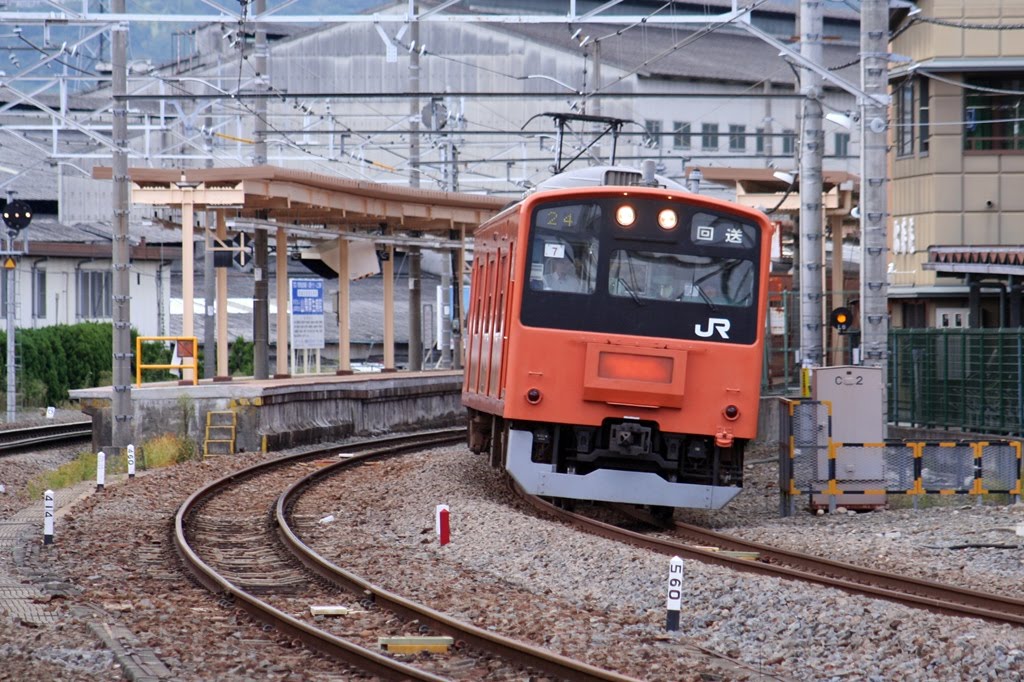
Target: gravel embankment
(507,569)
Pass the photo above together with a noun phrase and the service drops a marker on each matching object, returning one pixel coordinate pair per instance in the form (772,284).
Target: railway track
(14,440)
(700,544)
(235,535)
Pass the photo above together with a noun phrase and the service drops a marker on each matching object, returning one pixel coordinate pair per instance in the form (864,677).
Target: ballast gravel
(509,570)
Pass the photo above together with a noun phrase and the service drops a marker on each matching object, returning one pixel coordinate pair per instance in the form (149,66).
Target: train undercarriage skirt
(608,485)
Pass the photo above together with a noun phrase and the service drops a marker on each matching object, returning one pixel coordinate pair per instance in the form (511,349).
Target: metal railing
(185,347)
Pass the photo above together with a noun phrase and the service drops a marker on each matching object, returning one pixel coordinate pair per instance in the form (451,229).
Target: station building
(957,258)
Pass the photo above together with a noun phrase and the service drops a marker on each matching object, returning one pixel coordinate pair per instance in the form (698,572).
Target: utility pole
(12,381)
(874,65)
(414,102)
(209,273)
(415,347)
(121,402)
(260,305)
(811,142)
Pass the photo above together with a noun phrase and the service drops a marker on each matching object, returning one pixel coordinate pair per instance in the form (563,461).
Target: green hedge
(55,360)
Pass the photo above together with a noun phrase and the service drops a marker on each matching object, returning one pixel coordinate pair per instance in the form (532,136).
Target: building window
(993,119)
(94,295)
(759,141)
(788,142)
(914,315)
(842,141)
(680,135)
(709,136)
(737,138)
(38,294)
(652,137)
(905,119)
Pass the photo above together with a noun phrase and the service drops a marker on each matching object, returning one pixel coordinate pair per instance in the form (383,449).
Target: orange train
(614,341)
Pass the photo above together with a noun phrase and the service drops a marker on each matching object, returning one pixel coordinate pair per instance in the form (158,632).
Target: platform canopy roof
(287,197)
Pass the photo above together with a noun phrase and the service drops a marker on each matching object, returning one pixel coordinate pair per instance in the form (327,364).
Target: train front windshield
(647,267)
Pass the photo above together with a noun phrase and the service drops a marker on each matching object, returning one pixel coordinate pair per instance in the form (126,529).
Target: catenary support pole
(260,303)
(811,143)
(874,64)
(12,381)
(121,400)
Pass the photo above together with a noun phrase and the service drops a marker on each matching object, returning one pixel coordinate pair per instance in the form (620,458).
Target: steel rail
(315,638)
(325,642)
(18,439)
(533,657)
(936,597)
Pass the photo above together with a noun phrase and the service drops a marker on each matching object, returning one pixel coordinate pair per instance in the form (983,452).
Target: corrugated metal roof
(725,55)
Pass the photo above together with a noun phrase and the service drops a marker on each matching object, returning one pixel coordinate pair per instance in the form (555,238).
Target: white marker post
(674,603)
(50,412)
(48,517)
(443,524)
(131,461)
(101,469)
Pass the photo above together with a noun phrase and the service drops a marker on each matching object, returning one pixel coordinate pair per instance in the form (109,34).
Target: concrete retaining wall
(286,415)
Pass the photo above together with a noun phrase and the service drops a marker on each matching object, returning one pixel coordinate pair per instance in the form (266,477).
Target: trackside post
(674,602)
(48,517)
(443,523)
(101,469)
(131,461)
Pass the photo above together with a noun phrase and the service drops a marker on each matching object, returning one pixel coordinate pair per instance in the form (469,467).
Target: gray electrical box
(855,393)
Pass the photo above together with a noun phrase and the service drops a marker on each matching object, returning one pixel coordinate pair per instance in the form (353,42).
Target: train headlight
(533,396)
(625,215)
(731,412)
(667,219)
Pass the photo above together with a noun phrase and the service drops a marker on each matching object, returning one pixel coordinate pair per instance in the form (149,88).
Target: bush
(152,454)
(58,359)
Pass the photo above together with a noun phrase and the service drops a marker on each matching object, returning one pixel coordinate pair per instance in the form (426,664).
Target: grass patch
(159,452)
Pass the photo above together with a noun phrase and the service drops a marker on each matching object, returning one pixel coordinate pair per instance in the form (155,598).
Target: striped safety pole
(674,601)
(48,517)
(131,461)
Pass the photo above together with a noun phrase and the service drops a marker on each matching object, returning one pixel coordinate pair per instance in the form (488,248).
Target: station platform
(246,415)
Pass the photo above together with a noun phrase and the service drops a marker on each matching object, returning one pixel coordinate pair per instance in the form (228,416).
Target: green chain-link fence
(970,379)
(965,379)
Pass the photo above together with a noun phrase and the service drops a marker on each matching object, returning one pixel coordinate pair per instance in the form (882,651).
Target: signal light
(533,396)
(625,215)
(17,215)
(731,412)
(841,319)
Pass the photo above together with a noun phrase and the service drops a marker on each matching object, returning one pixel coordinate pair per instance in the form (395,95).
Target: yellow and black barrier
(815,464)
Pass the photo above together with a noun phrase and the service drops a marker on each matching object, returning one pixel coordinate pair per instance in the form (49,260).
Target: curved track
(689,540)
(225,536)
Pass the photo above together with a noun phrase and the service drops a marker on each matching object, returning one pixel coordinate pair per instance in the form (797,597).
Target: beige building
(957,164)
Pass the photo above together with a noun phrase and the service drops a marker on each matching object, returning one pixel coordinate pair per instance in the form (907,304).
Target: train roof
(599,176)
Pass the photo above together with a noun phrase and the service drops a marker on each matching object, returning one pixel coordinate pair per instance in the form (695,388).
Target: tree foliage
(55,360)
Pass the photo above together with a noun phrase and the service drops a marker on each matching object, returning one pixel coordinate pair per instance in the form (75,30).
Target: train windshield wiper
(707,299)
(629,290)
